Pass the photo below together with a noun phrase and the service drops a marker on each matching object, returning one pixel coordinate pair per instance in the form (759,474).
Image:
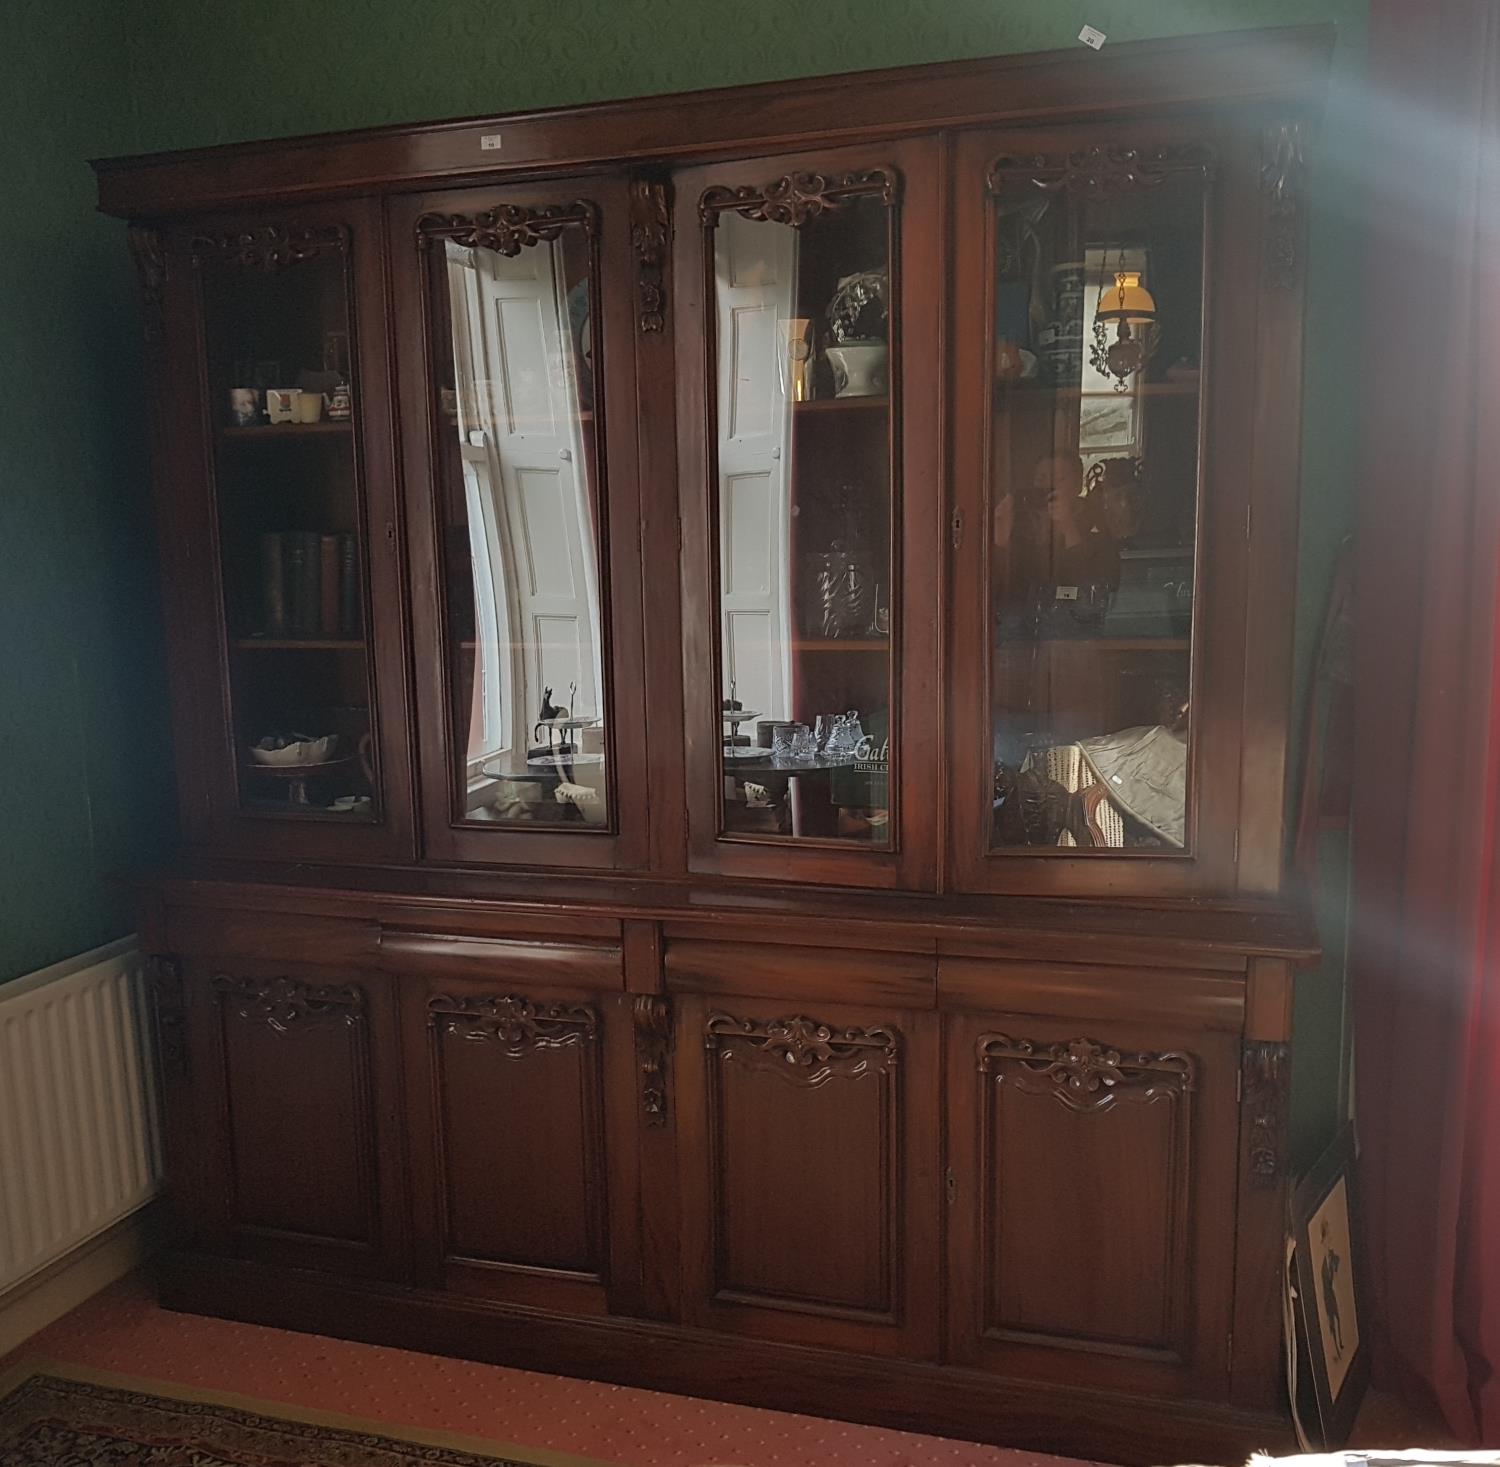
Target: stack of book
(309,584)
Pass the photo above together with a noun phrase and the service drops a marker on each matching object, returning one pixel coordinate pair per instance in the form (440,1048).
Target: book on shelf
(309,585)
(329,560)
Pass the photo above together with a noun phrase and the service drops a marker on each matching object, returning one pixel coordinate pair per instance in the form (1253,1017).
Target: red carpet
(123,1331)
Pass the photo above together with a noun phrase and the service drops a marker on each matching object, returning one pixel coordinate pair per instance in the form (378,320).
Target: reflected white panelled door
(755,288)
(529,446)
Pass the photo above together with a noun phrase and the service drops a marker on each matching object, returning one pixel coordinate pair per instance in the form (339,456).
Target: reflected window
(804,338)
(518,454)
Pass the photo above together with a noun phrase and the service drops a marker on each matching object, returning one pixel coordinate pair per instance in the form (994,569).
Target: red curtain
(1425,945)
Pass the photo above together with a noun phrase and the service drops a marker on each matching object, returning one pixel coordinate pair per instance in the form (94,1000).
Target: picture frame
(1326,1244)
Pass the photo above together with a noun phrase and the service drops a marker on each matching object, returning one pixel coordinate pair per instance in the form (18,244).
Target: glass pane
(291,522)
(519,487)
(804,509)
(1098,301)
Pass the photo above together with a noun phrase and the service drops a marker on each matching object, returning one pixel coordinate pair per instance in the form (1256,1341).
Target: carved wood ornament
(801,1049)
(1102,169)
(169,1005)
(150,258)
(1282,174)
(288,1005)
(797,198)
(271,246)
(650,232)
(1084,1074)
(507,229)
(653,1044)
(1264,1094)
(516,1025)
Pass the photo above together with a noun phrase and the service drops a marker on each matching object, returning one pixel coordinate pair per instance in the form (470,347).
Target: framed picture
(1325,1237)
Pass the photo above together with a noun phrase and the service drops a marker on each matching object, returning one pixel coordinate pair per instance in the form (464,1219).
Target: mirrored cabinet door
(518,490)
(806,358)
(1083,459)
(295,447)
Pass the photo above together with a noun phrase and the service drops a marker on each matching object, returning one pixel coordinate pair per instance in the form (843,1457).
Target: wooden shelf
(1038,390)
(298,644)
(819,406)
(281,432)
(1098,644)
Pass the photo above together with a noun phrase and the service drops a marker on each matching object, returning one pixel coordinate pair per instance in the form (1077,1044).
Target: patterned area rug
(51,1418)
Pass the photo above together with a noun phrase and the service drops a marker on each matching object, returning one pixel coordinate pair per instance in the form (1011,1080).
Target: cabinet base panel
(909,1396)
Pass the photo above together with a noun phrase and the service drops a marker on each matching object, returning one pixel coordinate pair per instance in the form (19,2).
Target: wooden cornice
(1282,67)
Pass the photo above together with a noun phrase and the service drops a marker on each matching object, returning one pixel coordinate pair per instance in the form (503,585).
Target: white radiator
(78,1135)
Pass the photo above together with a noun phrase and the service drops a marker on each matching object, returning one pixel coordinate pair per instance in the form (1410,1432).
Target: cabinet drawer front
(1093,1181)
(808,1186)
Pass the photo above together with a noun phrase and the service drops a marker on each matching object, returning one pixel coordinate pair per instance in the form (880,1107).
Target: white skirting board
(79,1145)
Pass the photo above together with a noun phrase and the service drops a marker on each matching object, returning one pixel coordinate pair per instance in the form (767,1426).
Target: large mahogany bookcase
(814,1089)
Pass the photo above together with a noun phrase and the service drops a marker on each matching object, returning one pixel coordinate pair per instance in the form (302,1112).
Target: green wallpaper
(83,787)
(83,721)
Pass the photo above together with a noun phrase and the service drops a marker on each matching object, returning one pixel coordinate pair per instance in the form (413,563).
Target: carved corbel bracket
(652,1017)
(169,1009)
(1283,172)
(1265,1092)
(650,235)
(150,256)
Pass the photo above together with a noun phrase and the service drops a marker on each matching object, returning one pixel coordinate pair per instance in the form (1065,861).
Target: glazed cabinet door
(808,294)
(515,325)
(289,1079)
(1120,402)
(807,1142)
(1091,1186)
(520,1076)
(271,427)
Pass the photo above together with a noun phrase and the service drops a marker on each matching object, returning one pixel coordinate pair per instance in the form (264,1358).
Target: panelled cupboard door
(295,1080)
(1091,1191)
(808,294)
(510,1087)
(515,330)
(1115,396)
(272,438)
(807,1141)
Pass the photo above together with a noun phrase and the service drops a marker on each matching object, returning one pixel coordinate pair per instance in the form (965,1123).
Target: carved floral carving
(508,228)
(1264,1093)
(1085,1074)
(797,198)
(516,1025)
(287,1004)
(271,246)
(1104,168)
(650,228)
(653,1044)
(169,1005)
(1282,173)
(801,1049)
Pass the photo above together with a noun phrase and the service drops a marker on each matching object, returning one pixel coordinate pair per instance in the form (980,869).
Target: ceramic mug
(308,408)
(244,406)
(281,404)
